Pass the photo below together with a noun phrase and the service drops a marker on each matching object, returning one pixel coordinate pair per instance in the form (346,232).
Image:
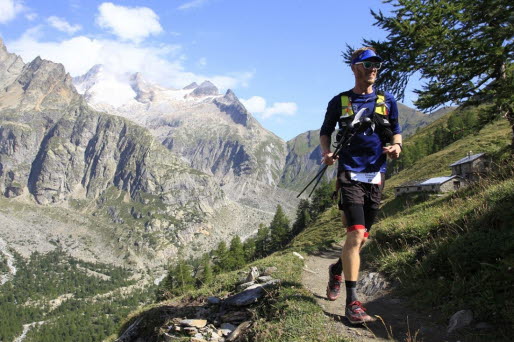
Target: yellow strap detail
(380,107)
(346,106)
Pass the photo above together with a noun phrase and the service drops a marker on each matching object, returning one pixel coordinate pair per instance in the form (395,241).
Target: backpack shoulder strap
(346,104)
(380,104)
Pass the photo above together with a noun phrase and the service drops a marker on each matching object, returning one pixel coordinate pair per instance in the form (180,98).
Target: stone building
(436,184)
(464,171)
(471,166)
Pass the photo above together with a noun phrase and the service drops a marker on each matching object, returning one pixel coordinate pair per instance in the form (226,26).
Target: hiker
(361,168)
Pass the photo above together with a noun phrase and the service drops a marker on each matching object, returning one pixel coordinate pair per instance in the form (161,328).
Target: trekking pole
(320,174)
(363,125)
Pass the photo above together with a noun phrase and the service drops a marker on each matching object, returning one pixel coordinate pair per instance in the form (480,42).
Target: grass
(454,252)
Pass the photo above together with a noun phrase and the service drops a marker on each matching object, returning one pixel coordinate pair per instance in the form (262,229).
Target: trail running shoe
(334,284)
(356,313)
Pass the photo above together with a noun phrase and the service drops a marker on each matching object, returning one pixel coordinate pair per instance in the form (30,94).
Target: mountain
(212,132)
(412,119)
(100,186)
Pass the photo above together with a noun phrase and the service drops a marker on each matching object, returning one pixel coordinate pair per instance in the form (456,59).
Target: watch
(399,144)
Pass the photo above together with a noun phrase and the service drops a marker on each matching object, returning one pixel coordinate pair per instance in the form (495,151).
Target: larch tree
(463,49)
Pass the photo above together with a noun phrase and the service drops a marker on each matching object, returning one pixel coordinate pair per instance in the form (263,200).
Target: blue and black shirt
(365,151)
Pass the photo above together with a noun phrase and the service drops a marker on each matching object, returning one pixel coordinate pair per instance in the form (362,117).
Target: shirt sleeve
(393,114)
(331,117)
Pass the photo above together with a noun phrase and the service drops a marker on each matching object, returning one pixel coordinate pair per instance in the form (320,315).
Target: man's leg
(352,260)
(355,237)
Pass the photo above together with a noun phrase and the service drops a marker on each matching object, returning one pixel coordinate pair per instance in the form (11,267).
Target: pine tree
(321,199)
(279,229)
(262,242)
(463,48)
(303,217)
(206,276)
(221,255)
(179,279)
(236,252)
(249,248)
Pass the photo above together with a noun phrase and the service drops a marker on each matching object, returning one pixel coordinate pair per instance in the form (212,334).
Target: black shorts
(358,193)
(359,201)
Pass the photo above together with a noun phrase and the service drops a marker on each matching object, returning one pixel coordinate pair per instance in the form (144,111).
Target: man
(361,168)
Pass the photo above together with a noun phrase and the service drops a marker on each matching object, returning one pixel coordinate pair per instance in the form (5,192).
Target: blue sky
(281,58)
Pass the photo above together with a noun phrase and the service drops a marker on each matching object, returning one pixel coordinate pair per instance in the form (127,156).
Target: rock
(239,330)
(169,338)
(191,331)
(250,295)
(213,300)
(254,273)
(236,316)
(264,279)
(269,270)
(267,284)
(214,336)
(484,326)
(244,286)
(202,312)
(372,283)
(196,323)
(228,326)
(205,89)
(298,255)
(460,320)
(198,339)
(224,332)
(191,86)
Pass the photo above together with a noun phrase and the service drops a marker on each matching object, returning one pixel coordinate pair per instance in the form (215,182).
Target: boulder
(459,320)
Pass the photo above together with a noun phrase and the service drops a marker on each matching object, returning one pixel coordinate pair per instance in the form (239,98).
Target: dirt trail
(398,318)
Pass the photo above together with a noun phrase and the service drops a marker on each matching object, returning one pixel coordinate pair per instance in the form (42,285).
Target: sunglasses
(369,65)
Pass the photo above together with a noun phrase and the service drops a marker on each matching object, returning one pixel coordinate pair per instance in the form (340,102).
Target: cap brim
(367,55)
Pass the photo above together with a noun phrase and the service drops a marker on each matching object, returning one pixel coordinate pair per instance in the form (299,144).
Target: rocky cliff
(55,150)
(213,132)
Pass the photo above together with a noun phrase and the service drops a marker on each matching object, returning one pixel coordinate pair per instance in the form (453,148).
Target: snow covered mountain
(213,132)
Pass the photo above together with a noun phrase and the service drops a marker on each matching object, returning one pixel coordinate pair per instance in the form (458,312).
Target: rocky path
(395,321)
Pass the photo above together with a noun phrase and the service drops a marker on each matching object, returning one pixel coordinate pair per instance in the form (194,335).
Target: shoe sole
(328,297)
(359,322)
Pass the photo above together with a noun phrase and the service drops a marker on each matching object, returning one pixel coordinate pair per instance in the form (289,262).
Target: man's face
(367,76)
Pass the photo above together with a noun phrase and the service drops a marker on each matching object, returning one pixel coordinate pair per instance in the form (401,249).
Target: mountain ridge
(55,150)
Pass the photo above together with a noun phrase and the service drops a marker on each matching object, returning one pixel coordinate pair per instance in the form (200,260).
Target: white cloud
(202,62)
(255,104)
(31,16)
(258,105)
(192,4)
(128,23)
(9,9)
(63,25)
(162,64)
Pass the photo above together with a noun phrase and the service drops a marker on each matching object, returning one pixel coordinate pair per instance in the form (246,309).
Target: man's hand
(393,151)
(328,158)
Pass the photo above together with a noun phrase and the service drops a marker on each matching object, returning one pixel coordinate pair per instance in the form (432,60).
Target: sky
(281,58)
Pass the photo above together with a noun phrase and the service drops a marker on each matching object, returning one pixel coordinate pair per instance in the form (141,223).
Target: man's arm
(393,151)
(328,156)
(327,128)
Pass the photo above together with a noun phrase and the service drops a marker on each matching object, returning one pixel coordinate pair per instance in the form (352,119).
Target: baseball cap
(366,54)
